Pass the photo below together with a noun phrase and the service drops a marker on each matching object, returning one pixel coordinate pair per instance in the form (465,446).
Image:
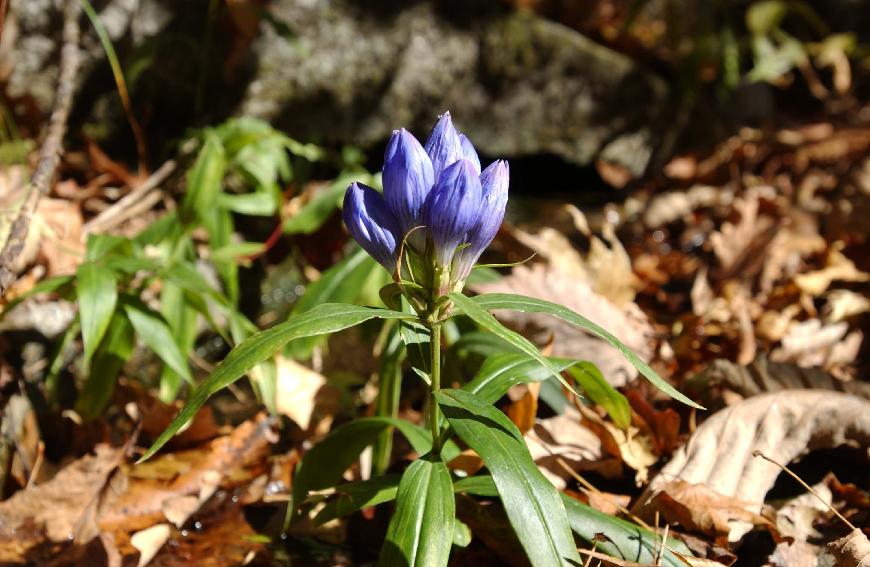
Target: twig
(758,453)
(609,559)
(110,216)
(49,153)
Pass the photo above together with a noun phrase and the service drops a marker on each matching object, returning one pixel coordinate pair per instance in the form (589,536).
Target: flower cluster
(438,212)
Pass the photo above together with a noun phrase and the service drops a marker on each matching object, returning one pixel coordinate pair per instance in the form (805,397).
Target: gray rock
(516,83)
(351,71)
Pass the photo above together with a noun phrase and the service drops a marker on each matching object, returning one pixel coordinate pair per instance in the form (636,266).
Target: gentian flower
(438,210)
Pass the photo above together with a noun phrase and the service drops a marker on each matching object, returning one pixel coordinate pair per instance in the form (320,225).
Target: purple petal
(408,178)
(469,152)
(371,223)
(494,183)
(452,208)
(443,146)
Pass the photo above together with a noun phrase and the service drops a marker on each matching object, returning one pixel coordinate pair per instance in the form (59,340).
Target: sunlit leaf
(326,318)
(420,531)
(97,291)
(155,333)
(492,301)
(532,504)
(602,393)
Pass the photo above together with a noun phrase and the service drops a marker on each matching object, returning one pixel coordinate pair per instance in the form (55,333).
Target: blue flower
(494,183)
(452,209)
(435,198)
(408,178)
(372,224)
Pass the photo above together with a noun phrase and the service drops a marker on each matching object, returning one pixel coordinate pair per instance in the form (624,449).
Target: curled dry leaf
(668,207)
(303,394)
(629,324)
(763,375)
(812,343)
(149,541)
(794,521)
(565,437)
(782,425)
(734,241)
(852,550)
(838,268)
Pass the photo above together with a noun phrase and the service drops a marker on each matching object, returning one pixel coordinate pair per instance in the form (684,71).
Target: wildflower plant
(438,212)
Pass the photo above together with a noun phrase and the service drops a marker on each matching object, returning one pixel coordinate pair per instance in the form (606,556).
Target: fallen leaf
(149,541)
(733,241)
(838,268)
(852,550)
(762,376)
(564,437)
(633,446)
(812,343)
(668,207)
(782,425)
(302,393)
(60,510)
(663,425)
(844,304)
(629,324)
(524,410)
(698,508)
(794,521)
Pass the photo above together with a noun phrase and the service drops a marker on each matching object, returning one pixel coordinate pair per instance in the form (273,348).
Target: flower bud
(408,178)
(371,223)
(469,152)
(494,183)
(452,209)
(444,145)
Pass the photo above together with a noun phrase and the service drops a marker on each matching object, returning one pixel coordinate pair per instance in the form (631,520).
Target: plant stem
(435,347)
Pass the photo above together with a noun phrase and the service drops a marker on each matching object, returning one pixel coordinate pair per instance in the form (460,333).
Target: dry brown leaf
(565,437)
(844,304)
(668,207)
(762,376)
(794,521)
(630,325)
(149,541)
(852,550)
(698,508)
(782,425)
(634,446)
(663,425)
(733,241)
(62,509)
(838,268)
(812,343)
(59,224)
(302,393)
(178,483)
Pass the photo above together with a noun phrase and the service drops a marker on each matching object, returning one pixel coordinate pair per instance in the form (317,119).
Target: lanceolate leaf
(155,333)
(340,283)
(353,496)
(421,530)
(113,352)
(323,465)
(491,324)
(326,318)
(532,504)
(492,301)
(602,393)
(501,371)
(624,540)
(97,293)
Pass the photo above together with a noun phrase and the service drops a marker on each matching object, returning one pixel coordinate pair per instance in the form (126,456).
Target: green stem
(435,347)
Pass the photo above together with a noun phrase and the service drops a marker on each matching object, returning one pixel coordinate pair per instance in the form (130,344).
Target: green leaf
(501,371)
(326,318)
(491,301)
(339,284)
(232,252)
(389,396)
(323,465)
(101,245)
(482,343)
(602,393)
(155,333)
(205,179)
(97,293)
(765,16)
(182,319)
(623,539)
(113,352)
(420,531)
(261,203)
(532,504)
(491,324)
(353,496)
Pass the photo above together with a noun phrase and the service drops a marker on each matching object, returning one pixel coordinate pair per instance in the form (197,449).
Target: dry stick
(49,153)
(758,453)
(119,211)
